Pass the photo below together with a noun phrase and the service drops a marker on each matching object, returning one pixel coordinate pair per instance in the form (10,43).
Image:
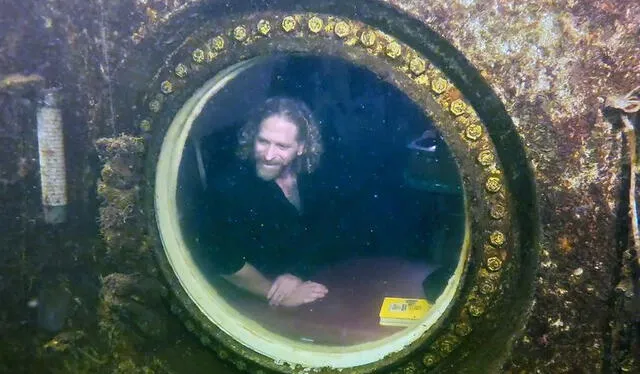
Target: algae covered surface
(553,63)
(85,296)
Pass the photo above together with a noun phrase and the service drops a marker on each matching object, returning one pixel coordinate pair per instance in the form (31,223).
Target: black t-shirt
(250,220)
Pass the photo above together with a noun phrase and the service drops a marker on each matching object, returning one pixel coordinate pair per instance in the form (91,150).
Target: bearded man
(265,217)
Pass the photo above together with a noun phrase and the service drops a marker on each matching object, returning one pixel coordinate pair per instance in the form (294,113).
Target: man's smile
(263,164)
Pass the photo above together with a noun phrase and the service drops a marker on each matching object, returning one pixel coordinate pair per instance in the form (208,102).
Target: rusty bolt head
(180,71)
(429,360)
(145,125)
(497,238)
(439,85)
(462,329)
(494,263)
(240,33)
(368,38)
(288,23)
(264,27)
(417,66)
(394,50)
(493,184)
(487,288)
(217,43)
(198,56)
(315,24)
(154,106)
(473,131)
(342,29)
(446,346)
(458,107)
(486,158)
(498,211)
(166,87)
(476,309)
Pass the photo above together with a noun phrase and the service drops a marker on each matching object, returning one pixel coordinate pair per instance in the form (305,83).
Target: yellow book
(398,311)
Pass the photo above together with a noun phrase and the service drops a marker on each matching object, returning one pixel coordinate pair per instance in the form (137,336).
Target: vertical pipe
(52,166)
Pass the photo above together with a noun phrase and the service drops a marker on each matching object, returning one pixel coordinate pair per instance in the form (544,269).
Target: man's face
(276,146)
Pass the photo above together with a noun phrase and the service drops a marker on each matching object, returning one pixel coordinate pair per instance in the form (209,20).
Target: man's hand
(282,287)
(305,293)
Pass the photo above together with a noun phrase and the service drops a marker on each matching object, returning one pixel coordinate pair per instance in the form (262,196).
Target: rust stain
(565,246)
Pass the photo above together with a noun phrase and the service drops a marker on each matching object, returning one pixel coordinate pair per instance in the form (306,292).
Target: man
(262,208)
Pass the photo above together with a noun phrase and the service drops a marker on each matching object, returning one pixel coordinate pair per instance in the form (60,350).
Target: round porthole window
(327,198)
(378,225)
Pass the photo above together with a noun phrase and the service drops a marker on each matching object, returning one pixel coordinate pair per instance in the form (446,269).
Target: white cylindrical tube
(53,178)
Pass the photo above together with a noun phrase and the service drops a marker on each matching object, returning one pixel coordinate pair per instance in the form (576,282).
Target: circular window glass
(311,210)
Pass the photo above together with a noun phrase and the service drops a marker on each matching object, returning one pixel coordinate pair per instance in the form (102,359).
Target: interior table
(349,313)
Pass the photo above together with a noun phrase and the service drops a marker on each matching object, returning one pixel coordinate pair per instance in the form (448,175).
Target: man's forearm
(250,279)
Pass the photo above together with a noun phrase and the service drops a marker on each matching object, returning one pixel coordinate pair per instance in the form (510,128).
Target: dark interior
(397,184)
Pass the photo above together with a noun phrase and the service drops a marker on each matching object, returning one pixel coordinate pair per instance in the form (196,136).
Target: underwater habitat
(326,186)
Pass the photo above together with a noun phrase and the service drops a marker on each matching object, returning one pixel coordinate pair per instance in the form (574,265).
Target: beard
(268,172)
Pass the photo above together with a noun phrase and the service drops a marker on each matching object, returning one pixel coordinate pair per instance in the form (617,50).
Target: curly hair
(300,115)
